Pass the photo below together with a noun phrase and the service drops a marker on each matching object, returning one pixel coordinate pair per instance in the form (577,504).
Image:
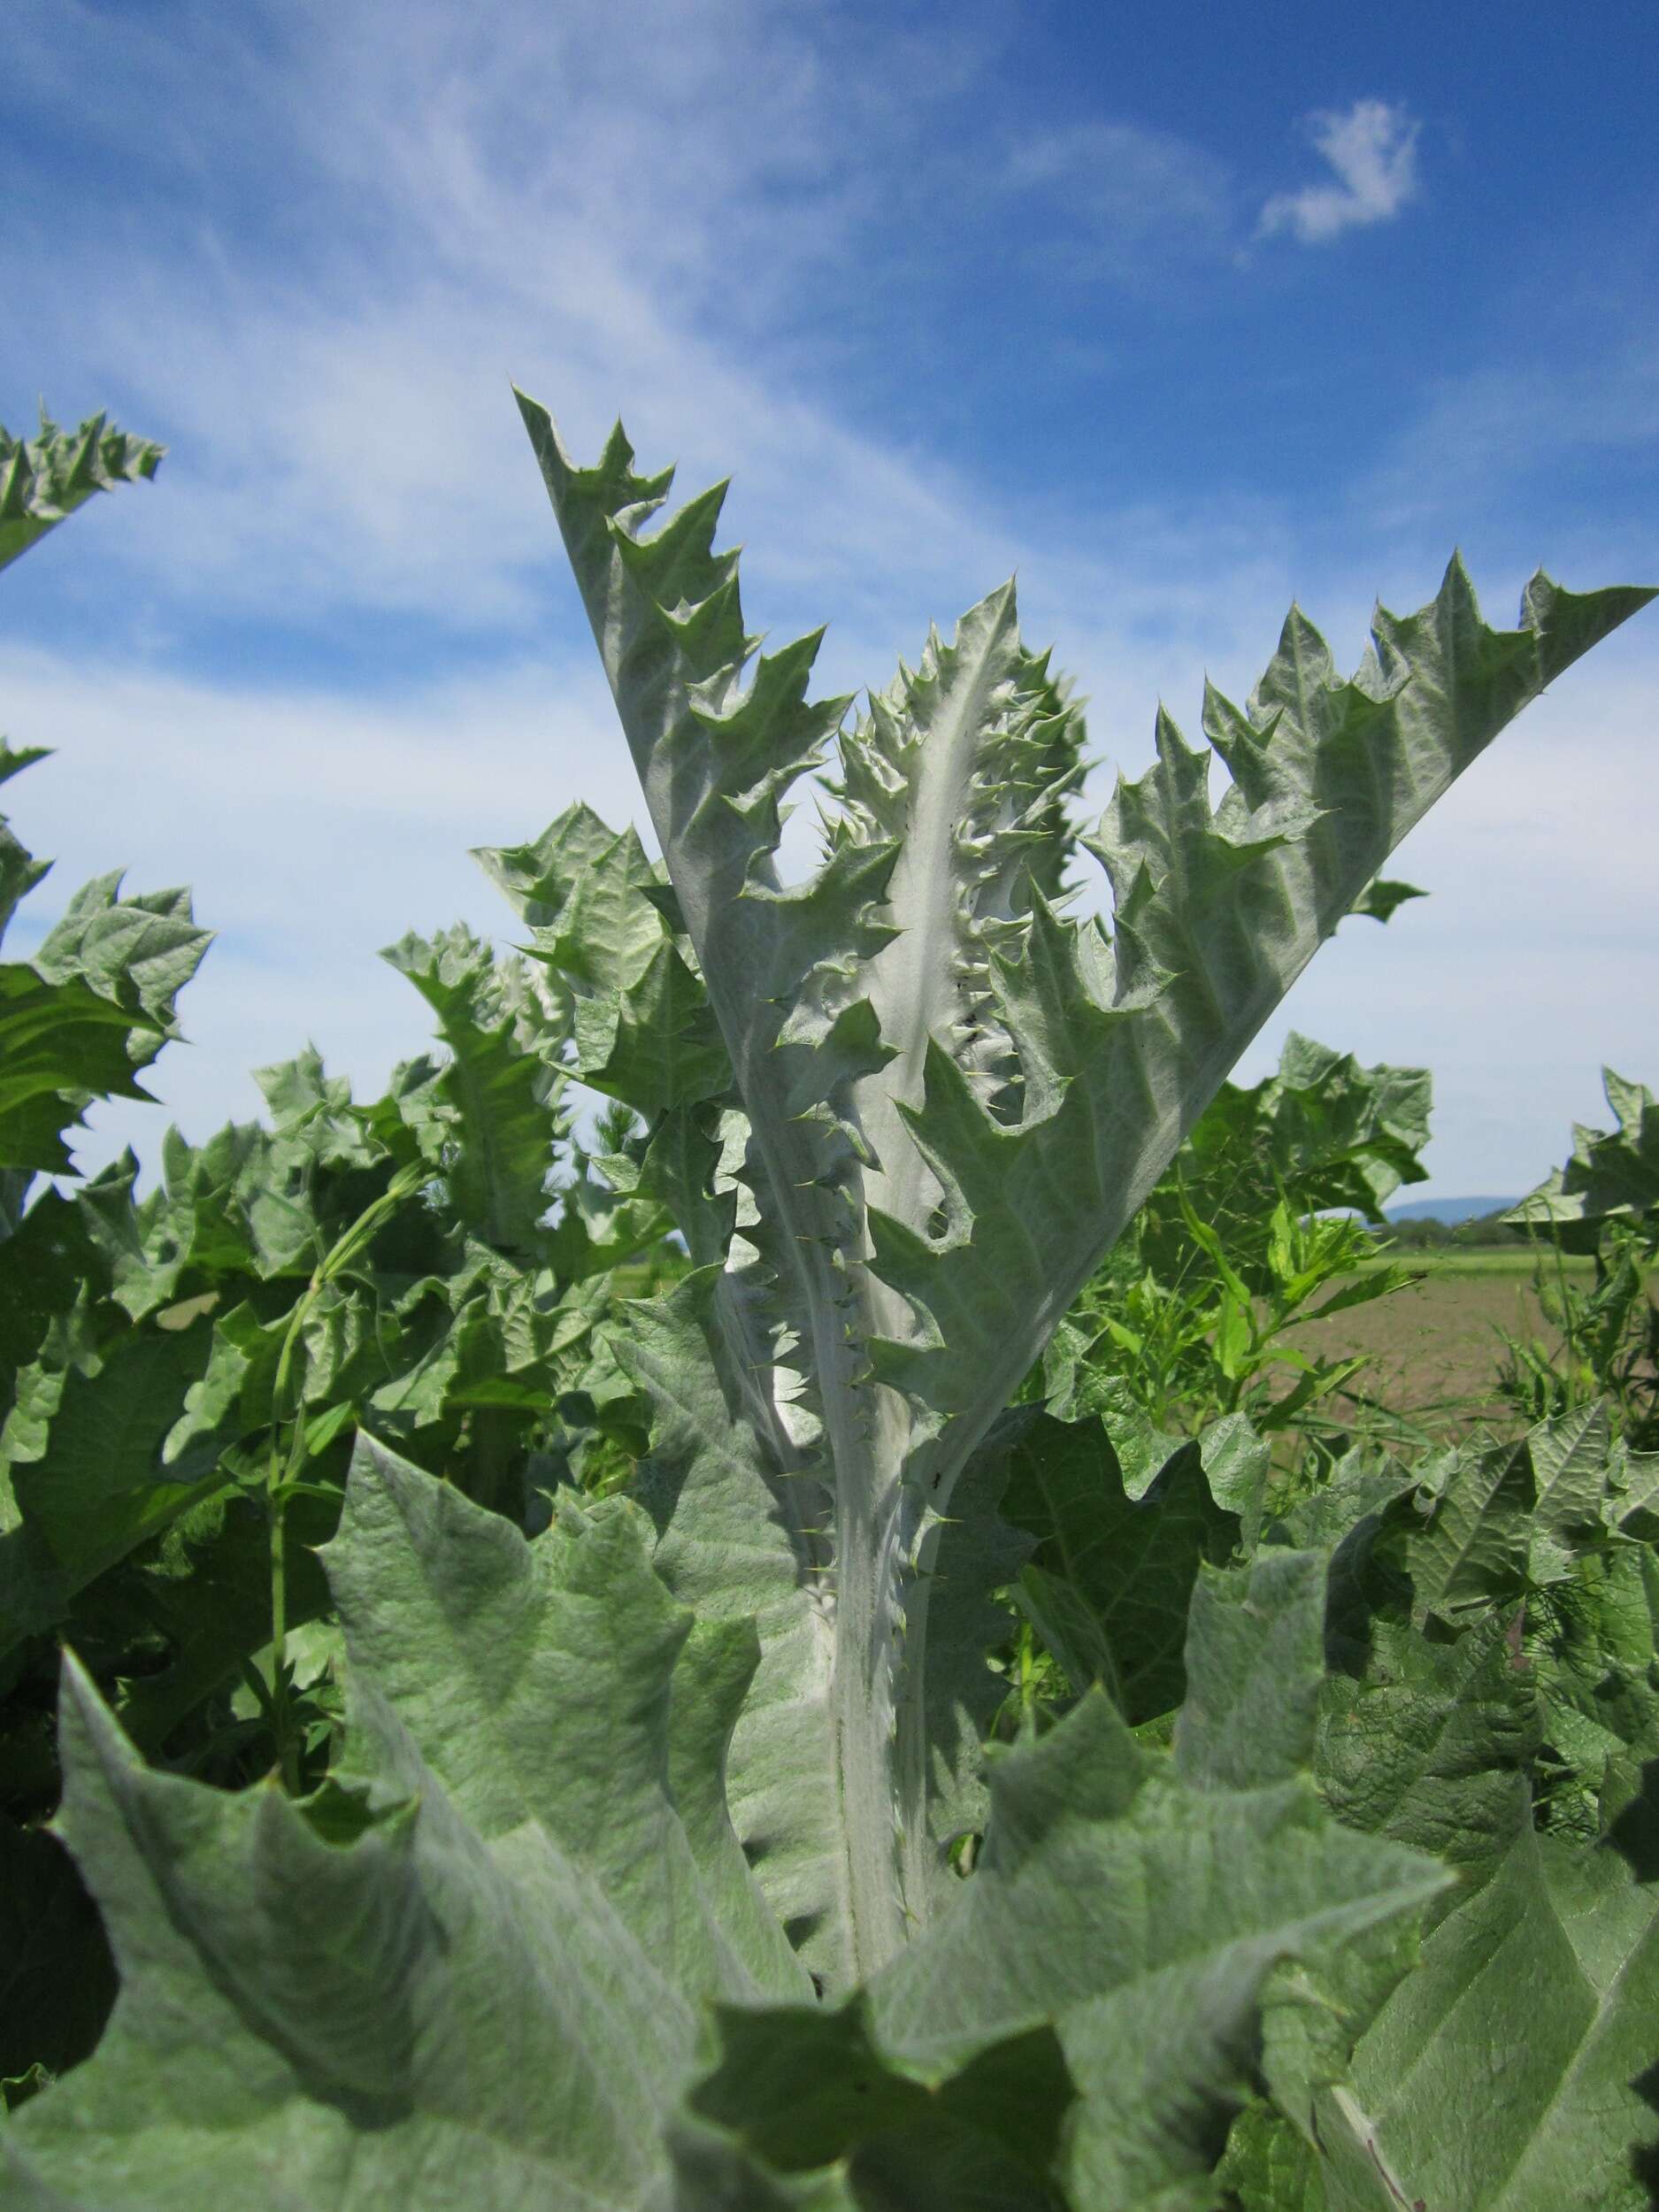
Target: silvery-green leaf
(1507,2073)
(1143,1919)
(468,1970)
(571,1652)
(1254,1660)
(739,1544)
(353,1999)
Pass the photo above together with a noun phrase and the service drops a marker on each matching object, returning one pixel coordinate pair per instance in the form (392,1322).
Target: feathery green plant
(1191,1316)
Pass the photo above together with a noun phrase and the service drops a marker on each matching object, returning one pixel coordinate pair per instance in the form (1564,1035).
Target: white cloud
(605,216)
(1372,147)
(313,830)
(610,218)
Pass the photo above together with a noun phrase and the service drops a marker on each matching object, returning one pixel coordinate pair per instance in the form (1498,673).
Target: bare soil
(1434,1349)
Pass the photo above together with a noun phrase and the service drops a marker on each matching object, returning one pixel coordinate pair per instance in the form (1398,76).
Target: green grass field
(1498,1259)
(1504,1259)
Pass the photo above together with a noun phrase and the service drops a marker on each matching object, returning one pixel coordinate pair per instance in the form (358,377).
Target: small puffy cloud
(1373,148)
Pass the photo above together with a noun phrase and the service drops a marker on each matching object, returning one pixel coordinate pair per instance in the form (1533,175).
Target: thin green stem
(287,1413)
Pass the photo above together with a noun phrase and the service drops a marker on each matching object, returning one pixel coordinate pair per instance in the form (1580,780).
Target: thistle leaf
(45,477)
(1142,1918)
(1611,1176)
(333,1977)
(1571,2129)
(504,1034)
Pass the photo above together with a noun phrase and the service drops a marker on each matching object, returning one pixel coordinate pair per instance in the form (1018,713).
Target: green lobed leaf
(98,999)
(504,1037)
(20,870)
(1473,1549)
(1269,2167)
(355,1991)
(61,1045)
(1435,1744)
(1133,1563)
(1506,2074)
(138,951)
(1611,1175)
(45,477)
(101,1485)
(1382,898)
(810,2089)
(1594,1647)
(1143,1917)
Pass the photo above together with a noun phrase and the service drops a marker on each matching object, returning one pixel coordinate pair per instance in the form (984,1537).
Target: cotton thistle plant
(952,1098)
(713,1743)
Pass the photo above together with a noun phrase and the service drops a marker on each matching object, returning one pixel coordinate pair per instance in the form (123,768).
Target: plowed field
(1435,1348)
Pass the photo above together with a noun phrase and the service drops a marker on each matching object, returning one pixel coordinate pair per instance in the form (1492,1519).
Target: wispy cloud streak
(1372,147)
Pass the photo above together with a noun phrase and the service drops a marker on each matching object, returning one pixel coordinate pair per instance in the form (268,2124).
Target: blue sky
(1179,314)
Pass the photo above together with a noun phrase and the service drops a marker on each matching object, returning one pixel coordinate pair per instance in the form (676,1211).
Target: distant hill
(1451,1211)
